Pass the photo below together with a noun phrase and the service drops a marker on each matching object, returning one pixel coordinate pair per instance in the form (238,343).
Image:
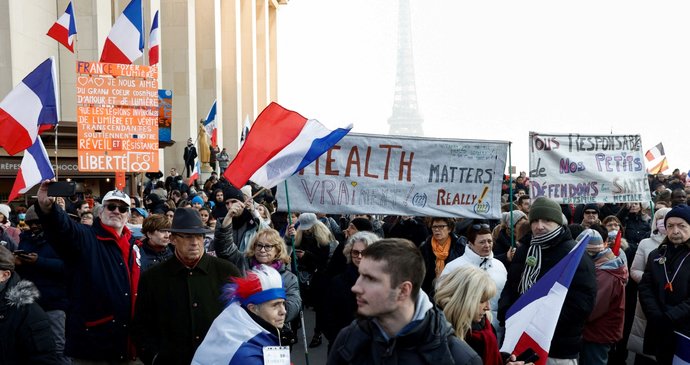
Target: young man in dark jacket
(400,324)
(551,241)
(103,263)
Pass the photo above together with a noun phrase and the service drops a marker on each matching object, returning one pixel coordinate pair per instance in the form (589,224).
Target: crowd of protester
(137,278)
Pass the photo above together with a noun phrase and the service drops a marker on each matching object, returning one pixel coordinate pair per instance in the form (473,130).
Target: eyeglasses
(591,212)
(439,227)
(123,209)
(263,247)
(477,227)
(357,253)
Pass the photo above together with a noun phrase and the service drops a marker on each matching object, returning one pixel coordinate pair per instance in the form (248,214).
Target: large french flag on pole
(234,339)
(211,126)
(125,42)
(65,28)
(34,169)
(531,321)
(280,143)
(154,41)
(682,356)
(29,109)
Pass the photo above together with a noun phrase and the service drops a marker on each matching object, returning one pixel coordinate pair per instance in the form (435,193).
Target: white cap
(5,210)
(117,195)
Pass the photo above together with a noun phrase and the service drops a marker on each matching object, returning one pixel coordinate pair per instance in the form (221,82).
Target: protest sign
(402,176)
(117,117)
(164,115)
(581,169)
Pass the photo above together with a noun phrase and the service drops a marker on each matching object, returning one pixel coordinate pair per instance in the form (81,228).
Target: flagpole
(296,271)
(510,187)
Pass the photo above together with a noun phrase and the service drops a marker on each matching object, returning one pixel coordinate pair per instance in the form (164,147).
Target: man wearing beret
(665,287)
(551,241)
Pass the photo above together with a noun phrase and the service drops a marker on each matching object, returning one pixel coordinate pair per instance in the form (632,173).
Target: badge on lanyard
(276,355)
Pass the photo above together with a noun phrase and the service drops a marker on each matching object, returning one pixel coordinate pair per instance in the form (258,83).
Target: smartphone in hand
(528,356)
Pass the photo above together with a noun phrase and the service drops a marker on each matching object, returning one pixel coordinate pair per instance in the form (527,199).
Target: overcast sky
(496,69)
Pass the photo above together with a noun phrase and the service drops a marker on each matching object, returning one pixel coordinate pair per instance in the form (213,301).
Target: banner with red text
(117,117)
(581,169)
(372,174)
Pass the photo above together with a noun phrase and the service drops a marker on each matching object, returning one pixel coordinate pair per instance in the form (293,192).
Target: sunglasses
(123,209)
(591,212)
(477,227)
(439,227)
(357,253)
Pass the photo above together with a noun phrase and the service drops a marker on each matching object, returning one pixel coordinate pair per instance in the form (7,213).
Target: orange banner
(117,117)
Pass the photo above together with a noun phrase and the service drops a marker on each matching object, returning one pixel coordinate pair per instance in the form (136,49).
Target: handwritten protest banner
(117,117)
(576,168)
(403,176)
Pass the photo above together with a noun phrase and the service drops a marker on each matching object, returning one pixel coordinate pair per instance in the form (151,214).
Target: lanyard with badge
(276,355)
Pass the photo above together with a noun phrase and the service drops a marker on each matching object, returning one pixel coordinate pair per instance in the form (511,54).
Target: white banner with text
(373,174)
(581,169)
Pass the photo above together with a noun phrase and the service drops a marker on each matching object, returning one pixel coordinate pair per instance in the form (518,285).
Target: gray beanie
(544,208)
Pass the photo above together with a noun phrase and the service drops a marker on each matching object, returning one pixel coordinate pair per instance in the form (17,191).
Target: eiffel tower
(405,119)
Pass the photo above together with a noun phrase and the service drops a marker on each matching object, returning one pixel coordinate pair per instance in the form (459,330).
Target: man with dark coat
(398,320)
(665,288)
(188,156)
(103,268)
(551,241)
(180,298)
(24,327)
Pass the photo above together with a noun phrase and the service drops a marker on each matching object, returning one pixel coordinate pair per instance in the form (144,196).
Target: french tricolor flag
(65,28)
(234,339)
(195,174)
(531,321)
(125,42)
(280,143)
(154,41)
(34,169)
(211,126)
(29,109)
(682,356)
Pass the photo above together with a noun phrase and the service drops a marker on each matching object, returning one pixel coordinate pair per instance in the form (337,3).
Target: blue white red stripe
(682,356)
(195,174)
(34,169)
(280,143)
(125,42)
(154,41)
(65,28)
(234,339)
(531,321)
(211,126)
(29,109)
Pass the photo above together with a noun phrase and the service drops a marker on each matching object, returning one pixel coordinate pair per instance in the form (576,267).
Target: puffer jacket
(605,324)
(431,341)
(24,327)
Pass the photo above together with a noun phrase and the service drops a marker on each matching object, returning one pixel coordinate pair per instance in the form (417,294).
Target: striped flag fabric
(125,42)
(245,129)
(65,29)
(233,339)
(29,109)
(682,355)
(211,126)
(660,167)
(154,41)
(280,143)
(655,152)
(34,169)
(531,321)
(195,174)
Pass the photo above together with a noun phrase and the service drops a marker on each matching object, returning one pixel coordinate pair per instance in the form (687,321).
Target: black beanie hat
(232,192)
(362,224)
(544,208)
(679,211)
(591,207)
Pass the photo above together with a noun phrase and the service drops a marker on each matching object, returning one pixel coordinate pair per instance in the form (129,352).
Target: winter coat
(341,305)
(102,285)
(176,307)
(412,229)
(667,311)
(431,341)
(457,249)
(149,257)
(647,245)
(605,323)
(47,273)
(24,327)
(579,302)
(636,228)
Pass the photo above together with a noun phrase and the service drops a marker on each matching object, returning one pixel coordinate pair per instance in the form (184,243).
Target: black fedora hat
(187,220)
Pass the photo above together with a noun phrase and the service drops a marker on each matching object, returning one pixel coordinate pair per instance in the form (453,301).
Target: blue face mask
(22,216)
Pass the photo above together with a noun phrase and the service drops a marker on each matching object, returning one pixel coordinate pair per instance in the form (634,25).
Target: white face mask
(661,227)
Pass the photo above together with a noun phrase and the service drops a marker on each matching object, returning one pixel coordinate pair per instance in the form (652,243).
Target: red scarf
(484,342)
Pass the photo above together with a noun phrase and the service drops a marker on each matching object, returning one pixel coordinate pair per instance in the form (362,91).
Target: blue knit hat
(679,211)
(197,199)
(262,284)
